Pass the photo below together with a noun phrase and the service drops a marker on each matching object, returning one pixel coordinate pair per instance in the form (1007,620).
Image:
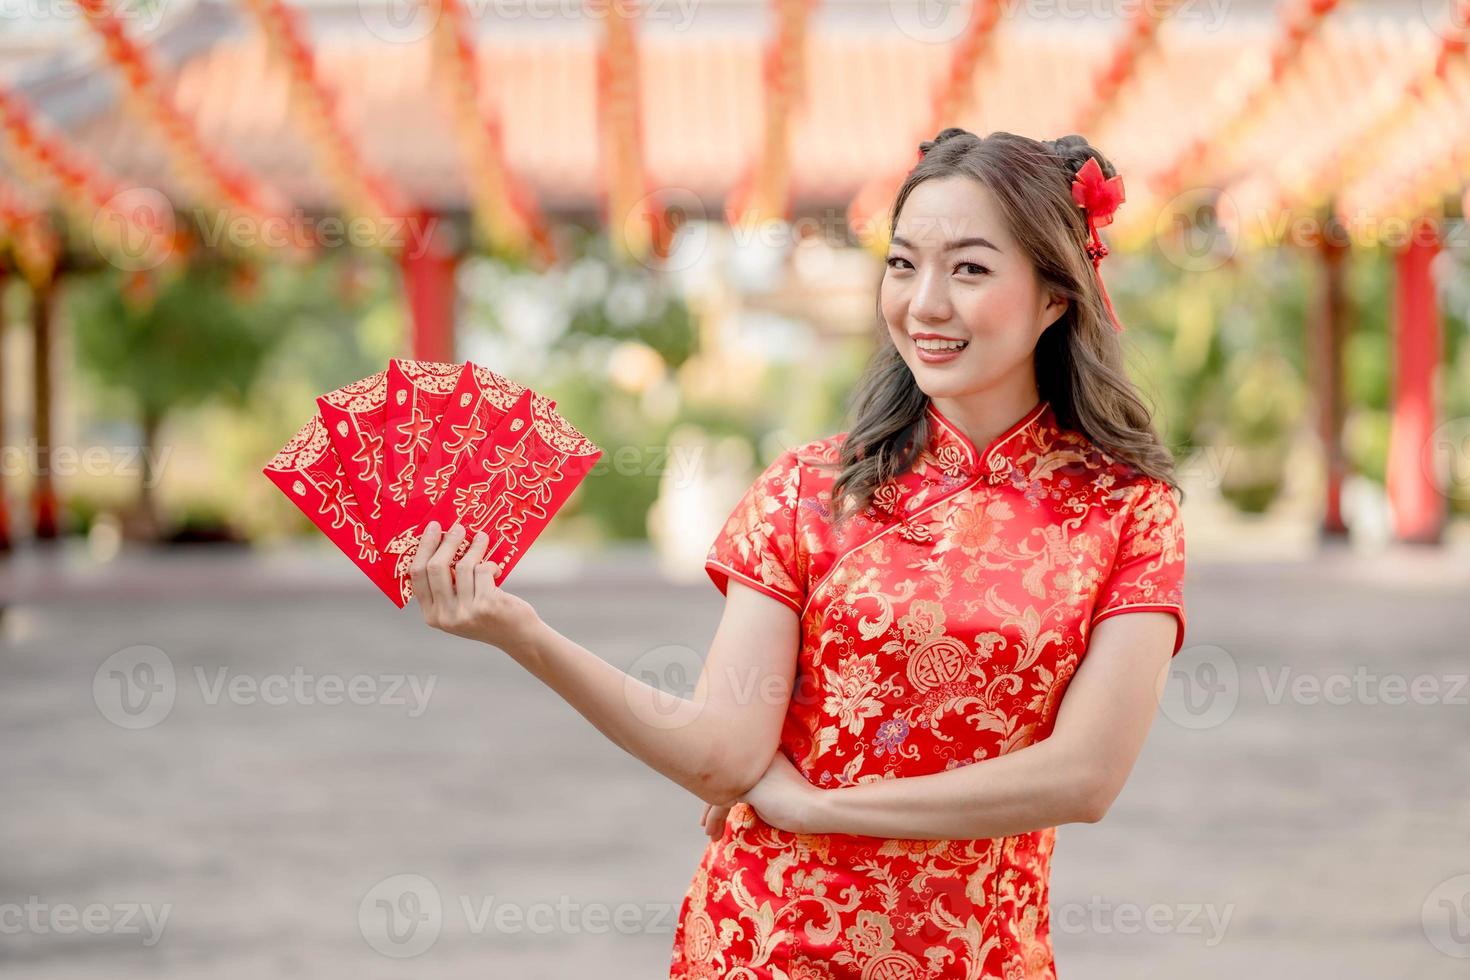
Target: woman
(1004,501)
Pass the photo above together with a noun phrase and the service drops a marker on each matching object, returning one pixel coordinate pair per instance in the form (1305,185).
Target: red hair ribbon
(1101,198)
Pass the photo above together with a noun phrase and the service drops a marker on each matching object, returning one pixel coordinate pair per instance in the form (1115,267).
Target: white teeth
(941,345)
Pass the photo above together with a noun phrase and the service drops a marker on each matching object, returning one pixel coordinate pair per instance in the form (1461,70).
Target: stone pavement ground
(1297,811)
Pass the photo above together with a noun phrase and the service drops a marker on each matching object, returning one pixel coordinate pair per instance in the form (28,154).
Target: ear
(1056,305)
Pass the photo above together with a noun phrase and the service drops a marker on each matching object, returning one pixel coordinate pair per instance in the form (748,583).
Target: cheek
(891,305)
(998,308)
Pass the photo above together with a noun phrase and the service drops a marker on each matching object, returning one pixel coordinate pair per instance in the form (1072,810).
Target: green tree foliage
(195,333)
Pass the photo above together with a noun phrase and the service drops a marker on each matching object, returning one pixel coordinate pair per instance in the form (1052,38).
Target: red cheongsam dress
(940,628)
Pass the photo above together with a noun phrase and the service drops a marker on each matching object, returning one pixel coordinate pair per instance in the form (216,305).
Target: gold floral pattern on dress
(939,628)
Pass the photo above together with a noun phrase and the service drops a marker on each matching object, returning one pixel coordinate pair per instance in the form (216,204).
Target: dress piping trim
(1016,429)
(1169,607)
(758,586)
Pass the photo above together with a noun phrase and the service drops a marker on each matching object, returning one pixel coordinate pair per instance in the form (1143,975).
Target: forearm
(1042,785)
(675,736)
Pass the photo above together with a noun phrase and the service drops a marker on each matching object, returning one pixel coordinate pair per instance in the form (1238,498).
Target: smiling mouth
(940,346)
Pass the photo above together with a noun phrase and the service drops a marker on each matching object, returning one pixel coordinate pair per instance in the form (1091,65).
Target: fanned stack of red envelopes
(428,441)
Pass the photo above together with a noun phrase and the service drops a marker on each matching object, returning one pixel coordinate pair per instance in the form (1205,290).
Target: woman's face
(954,271)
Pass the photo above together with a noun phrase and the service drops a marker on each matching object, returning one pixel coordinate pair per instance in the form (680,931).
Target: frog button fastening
(917,533)
(999,470)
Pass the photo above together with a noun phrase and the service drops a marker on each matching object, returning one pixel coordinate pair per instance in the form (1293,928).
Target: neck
(984,415)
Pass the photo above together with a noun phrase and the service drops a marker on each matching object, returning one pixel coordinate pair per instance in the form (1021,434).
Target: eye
(974,265)
(895,258)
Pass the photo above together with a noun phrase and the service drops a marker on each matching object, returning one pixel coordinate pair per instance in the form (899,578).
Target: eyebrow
(958,243)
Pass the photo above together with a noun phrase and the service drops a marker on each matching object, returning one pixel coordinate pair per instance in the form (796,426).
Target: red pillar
(1417,505)
(1328,328)
(1325,363)
(45,507)
(427,264)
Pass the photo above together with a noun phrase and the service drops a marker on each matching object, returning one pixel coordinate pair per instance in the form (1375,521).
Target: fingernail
(431,526)
(457,527)
(480,535)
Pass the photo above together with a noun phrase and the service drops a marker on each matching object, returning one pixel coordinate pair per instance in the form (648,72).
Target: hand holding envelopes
(430,441)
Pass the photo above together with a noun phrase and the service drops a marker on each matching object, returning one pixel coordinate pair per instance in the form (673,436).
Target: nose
(930,299)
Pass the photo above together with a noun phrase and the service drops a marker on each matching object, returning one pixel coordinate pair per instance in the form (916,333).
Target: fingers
(704,817)
(485,575)
(438,567)
(465,579)
(714,823)
(418,570)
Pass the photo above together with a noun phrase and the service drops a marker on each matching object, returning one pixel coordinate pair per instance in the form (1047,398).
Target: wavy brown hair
(1079,359)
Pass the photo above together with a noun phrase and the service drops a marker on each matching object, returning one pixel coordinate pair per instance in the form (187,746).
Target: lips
(923,344)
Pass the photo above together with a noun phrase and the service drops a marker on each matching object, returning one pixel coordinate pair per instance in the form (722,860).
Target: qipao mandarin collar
(952,454)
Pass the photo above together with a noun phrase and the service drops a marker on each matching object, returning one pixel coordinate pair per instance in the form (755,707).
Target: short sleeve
(1148,570)
(759,542)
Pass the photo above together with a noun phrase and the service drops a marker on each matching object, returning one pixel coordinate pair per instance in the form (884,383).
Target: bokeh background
(226,755)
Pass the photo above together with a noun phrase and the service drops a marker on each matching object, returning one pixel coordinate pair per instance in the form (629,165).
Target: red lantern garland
(951,99)
(364,194)
(198,169)
(1391,169)
(764,188)
(1299,21)
(1140,38)
(634,216)
(34,246)
(505,209)
(128,234)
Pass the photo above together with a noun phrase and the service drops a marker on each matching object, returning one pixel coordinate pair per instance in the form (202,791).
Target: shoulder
(1113,482)
(801,472)
(798,470)
(815,458)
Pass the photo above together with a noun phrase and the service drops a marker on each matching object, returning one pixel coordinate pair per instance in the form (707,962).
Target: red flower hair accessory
(1100,197)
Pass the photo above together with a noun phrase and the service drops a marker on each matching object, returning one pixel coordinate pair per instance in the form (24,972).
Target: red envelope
(558,459)
(418,394)
(425,441)
(479,403)
(355,416)
(308,471)
(482,406)
(512,488)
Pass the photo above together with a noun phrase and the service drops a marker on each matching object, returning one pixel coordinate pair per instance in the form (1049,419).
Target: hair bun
(946,134)
(1075,151)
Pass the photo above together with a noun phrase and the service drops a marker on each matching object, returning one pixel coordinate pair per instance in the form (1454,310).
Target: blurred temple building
(789,123)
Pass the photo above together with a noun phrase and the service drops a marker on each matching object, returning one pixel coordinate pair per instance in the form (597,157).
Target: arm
(1071,776)
(715,744)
